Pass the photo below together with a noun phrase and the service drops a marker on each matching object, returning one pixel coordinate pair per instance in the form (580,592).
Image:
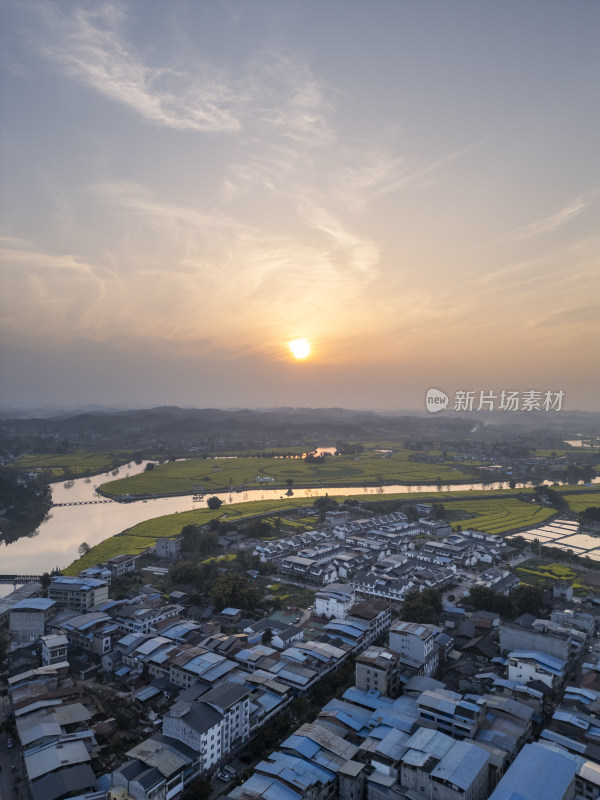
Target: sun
(300,348)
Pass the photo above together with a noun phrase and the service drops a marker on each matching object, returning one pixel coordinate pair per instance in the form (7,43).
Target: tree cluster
(551,497)
(23,497)
(422,606)
(591,514)
(348,448)
(232,589)
(524,599)
(198,542)
(325,503)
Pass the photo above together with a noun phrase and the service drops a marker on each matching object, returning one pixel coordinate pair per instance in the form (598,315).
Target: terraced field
(502,515)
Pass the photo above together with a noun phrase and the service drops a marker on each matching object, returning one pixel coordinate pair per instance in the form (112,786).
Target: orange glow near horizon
(300,348)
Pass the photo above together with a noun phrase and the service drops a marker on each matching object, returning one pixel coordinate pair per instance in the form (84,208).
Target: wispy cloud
(183,275)
(89,46)
(554,221)
(275,91)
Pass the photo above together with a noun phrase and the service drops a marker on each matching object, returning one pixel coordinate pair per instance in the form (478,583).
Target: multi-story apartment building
(451,713)
(415,644)
(334,601)
(54,649)
(78,594)
(232,701)
(199,726)
(377,668)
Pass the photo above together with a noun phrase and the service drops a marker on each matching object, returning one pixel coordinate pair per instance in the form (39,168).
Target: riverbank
(209,476)
(495,513)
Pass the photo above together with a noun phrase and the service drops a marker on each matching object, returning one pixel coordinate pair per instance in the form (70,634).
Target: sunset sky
(412,187)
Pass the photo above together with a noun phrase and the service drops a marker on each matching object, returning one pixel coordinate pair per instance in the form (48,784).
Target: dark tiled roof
(64,782)
(226,694)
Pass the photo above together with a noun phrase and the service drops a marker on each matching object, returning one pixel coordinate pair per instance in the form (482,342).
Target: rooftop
(226,694)
(537,773)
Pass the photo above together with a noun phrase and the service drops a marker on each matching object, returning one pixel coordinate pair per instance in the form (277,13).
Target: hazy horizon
(187,187)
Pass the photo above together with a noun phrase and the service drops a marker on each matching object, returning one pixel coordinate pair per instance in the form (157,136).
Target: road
(13,784)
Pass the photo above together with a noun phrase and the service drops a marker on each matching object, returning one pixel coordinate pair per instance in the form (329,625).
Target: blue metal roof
(372,699)
(302,745)
(269,788)
(564,741)
(461,764)
(292,769)
(34,604)
(555,665)
(537,773)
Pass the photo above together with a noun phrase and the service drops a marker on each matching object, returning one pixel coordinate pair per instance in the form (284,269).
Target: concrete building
(122,565)
(451,713)
(199,726)
(168,548)
(28,590)
(539,772)
(378,668)
(335,600)
(54,649)
(522,636)
(415,644)
(78,594)
(232,701)
(434,765)
(144,619)
(28,619)
(283,638)
(525,666)
(378,614)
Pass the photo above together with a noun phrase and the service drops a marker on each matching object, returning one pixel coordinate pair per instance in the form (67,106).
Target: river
(56,541)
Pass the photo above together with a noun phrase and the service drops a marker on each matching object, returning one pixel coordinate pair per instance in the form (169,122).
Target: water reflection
(55,542)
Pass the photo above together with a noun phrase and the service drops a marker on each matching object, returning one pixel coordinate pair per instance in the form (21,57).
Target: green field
(144,535)
(217,475)
(540,573)
(493,513)
(579,501)
(501,515)
(76,464)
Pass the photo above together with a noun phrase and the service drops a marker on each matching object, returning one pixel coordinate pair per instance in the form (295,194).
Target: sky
(186,187)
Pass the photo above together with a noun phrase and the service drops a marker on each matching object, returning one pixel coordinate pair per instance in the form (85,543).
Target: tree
(231,589)
(527,599)
(326,503)
(184,572)
(214,503)
(200,789)
(482,598)
(421,606)
(83,549)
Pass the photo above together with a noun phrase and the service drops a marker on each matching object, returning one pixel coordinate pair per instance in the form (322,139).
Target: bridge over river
(83,503)
(19,578)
